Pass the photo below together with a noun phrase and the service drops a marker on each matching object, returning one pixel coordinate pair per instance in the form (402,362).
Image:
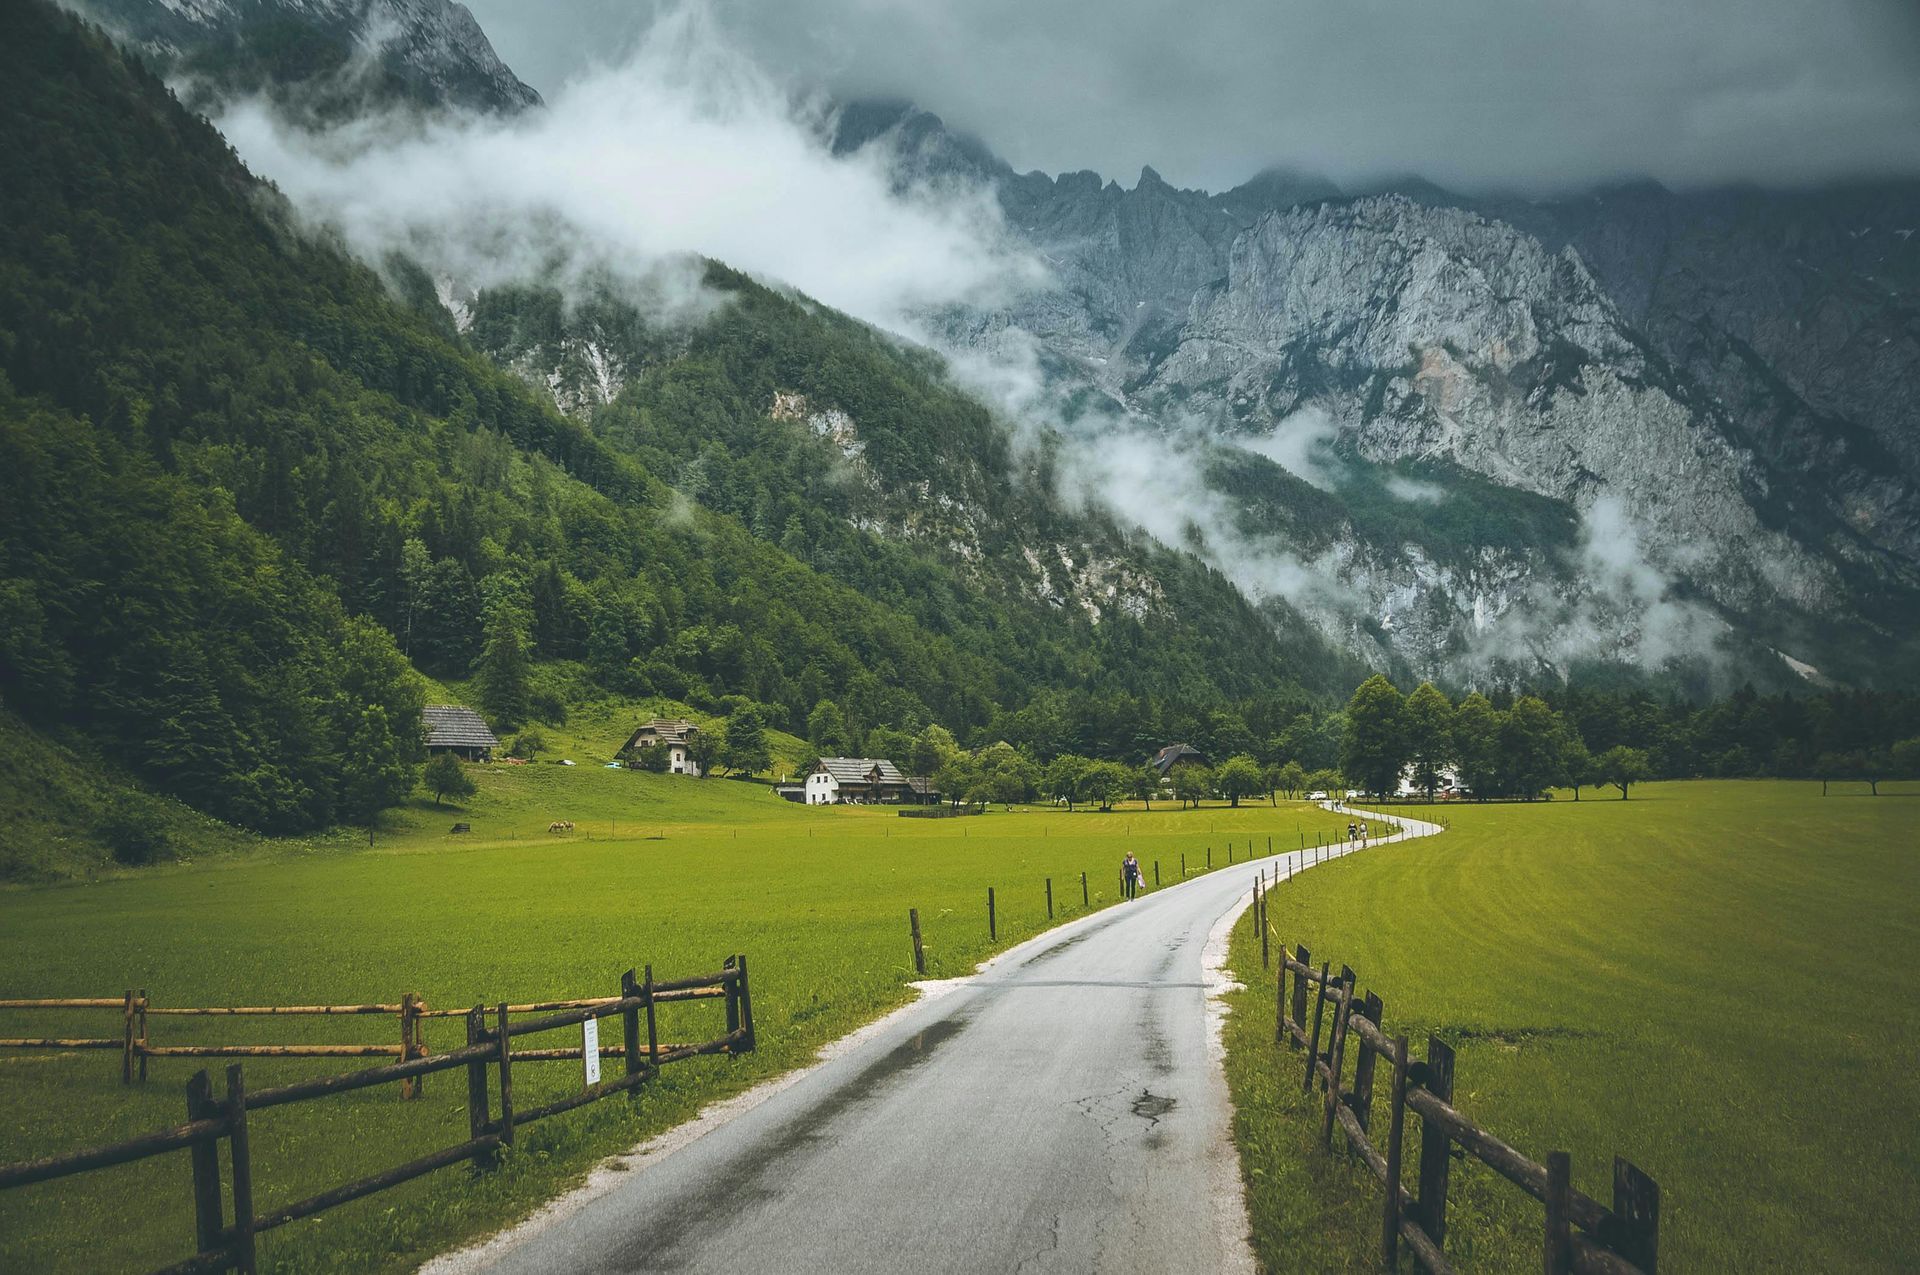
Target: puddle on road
(1150,1106)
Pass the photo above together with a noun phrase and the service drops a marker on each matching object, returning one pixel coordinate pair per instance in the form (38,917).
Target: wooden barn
(460,731)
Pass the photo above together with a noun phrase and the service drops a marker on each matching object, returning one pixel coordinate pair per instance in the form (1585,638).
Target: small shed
(460,731)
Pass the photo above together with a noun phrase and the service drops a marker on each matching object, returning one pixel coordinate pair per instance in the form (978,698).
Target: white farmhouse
(864,780)
(675,734)
(1449,782)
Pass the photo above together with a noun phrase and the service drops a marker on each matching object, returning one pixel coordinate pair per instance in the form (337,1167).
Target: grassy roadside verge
(1718,980)
(673,871)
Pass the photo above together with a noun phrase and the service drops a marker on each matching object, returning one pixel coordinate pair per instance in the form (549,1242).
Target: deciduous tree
(1429,733)
(444,776)
(1623,767)
(1239,777)
(1192,783)
(1375,751)
(746,749)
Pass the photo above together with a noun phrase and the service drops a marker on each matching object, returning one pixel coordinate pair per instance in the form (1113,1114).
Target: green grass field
(667,870)
(1719,981)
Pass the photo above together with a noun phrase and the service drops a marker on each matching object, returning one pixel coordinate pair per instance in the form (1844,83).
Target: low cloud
(1414,490)
(1302,444)
(686,146)
(1474,93)
(1622,607)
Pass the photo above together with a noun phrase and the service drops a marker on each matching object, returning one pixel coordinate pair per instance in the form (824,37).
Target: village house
(864,780)
(675,734)
(460,731)
(1447,787)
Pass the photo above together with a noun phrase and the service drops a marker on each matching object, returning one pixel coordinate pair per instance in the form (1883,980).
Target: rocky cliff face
(318,58)
(1710,389)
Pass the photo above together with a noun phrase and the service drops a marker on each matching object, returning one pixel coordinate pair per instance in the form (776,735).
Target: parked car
(1317,795)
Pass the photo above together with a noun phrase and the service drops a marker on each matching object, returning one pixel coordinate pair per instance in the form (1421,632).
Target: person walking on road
(1130,876)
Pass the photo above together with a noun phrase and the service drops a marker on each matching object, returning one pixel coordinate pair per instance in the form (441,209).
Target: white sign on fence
(590,1049)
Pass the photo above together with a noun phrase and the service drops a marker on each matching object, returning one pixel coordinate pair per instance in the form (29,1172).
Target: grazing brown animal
(560,825)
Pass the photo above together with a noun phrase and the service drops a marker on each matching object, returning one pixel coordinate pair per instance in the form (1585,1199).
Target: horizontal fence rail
(1579,1234)
(136,1047)
(221,1246)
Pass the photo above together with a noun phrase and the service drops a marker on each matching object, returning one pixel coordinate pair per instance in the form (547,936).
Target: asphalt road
(1063,1110)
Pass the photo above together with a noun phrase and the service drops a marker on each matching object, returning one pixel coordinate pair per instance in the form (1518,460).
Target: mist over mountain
(1629,357)
(1480,438)
(319,60)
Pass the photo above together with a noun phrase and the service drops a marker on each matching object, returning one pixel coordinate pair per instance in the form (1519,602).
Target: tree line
(1486,745)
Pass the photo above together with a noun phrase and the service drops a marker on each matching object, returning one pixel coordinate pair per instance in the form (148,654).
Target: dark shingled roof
(854,770)
(451,727)
(1170,756)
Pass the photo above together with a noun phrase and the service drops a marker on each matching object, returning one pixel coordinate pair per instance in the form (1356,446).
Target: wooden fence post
(1049,898)
(1363,1064)
(140,1036)
(1337,1054)
(1432,1199)
(1313,1045)
(1636,1206)
(1085,902)
(919,953)
(1209,858)
(1557,1257)
(1260,913)
(477,1118)
(1396,1140)
(207,1224)
(506,1080)
(410,1043)
(241,1155)
(1183,865)
(126,1055)
(993,927)
(733,999)
(1280,1001)
(1301,955)
(630,1026)
(749,1040)
(653,1026)
(1156,874)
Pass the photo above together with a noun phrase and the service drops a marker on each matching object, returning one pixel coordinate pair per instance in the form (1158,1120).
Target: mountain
(252,484)
(318,59)
(1705,391)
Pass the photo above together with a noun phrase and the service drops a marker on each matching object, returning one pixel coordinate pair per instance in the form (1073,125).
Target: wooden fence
(221,1247)
(1578,1233)
(136,1048)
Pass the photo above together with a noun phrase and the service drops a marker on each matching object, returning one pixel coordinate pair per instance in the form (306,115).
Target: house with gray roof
(863,780)
(674,734)
(460,731)
(1176,755)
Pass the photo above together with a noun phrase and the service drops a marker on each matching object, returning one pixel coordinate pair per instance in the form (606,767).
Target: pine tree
(505,673)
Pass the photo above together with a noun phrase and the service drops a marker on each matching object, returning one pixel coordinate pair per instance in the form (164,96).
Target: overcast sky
(1530,93)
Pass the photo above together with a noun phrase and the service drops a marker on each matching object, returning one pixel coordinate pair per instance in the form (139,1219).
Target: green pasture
(660,869)
(1718,980)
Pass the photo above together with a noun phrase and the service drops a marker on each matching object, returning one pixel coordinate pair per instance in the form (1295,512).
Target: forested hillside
(246,476)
